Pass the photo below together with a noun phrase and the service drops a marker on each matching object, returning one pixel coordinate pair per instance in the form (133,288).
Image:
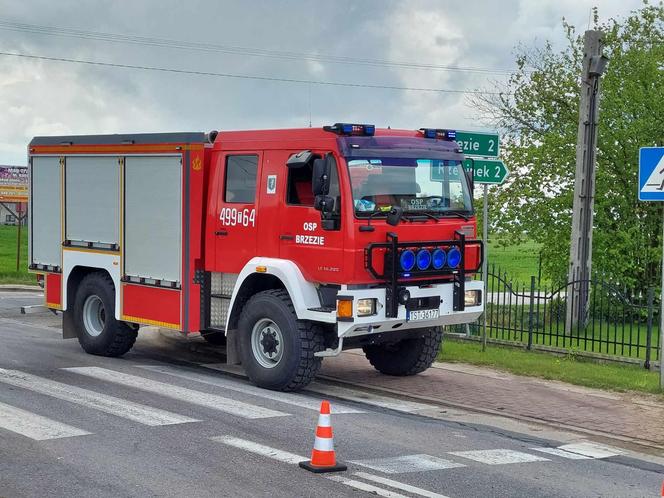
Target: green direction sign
(487,170)
(477,143)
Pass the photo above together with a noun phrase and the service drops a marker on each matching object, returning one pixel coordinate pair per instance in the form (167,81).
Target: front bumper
(380,323)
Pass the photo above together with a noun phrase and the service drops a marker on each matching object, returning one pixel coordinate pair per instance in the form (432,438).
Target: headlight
(407,260)
(472,298)
(453,257)
(366,307)
(423,259)
(438,259)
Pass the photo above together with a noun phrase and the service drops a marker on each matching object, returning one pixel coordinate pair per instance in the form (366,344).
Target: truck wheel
(99,332)
(408,356)
(278,349)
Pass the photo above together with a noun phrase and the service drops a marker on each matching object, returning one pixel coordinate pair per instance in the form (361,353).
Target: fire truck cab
(287,246)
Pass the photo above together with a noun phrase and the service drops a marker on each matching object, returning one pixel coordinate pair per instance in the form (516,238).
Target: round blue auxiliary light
(438,258)
(407,260)
(423,259)
(453,257)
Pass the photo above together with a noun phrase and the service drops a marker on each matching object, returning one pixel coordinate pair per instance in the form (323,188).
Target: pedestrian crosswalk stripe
(407,463)
(294,399)
(199,398)
(260,449)
(363,486)
(35,426)
(562,453)
(499,456)
(591,450)
(90,399)
(398,485)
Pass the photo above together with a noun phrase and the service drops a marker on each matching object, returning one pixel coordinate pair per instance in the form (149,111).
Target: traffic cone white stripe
(323,444)
(324,420)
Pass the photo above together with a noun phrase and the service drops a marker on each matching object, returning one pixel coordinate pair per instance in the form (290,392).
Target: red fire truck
(287,246)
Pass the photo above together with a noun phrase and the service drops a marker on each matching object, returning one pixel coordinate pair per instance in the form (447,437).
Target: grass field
(568,368)
(8,273)
(519,261)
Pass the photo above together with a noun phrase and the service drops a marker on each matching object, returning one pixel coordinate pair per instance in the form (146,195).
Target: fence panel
(617,322)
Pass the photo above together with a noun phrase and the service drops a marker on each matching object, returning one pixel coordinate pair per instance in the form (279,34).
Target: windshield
(433,186)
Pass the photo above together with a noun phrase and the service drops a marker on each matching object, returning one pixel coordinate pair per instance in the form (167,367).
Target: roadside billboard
(14,184)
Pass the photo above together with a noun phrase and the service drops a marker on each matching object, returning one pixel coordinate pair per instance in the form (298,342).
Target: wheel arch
(274,274)
(74,278)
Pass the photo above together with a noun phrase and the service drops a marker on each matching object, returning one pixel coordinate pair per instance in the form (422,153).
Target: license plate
(421,315)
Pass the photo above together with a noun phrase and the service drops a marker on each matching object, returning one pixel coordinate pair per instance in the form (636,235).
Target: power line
(235,50)
(245,76)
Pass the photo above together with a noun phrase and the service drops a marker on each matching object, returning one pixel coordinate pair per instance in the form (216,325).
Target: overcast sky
(53,98)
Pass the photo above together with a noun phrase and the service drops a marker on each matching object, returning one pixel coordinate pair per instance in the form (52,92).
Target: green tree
(537,112)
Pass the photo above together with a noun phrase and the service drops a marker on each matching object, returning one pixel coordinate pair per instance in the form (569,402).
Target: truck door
(318,252)
(235,224)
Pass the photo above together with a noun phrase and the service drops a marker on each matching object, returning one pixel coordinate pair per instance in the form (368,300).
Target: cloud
(54,98)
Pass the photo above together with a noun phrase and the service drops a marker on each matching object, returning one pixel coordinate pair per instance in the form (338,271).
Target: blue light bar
(438,133)
(351,129)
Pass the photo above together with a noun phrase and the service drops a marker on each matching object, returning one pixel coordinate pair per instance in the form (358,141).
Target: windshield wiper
(413,215)
(454,212)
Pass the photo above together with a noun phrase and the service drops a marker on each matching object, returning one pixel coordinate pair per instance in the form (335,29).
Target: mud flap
(68,325)
(232,348)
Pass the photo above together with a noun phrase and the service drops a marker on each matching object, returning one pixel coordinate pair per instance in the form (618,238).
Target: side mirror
(320,181)
(324,204)
(394,216)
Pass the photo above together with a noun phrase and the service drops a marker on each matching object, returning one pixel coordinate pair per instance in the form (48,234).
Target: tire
(408,356)
(214,338)
(268,323)
(98,331)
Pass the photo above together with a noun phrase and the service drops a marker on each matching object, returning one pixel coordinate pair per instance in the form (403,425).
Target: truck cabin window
(241,179)
(428,186)
(300,191)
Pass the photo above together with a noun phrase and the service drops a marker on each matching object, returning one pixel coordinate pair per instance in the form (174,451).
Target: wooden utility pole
(594,64)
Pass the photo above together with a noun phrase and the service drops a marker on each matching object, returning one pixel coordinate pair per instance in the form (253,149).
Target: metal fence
(617,322)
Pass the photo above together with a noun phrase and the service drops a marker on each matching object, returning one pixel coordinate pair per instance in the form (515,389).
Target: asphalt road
(163,421)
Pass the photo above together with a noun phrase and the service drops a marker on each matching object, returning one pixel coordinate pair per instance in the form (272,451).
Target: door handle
(221,232)
(287,237)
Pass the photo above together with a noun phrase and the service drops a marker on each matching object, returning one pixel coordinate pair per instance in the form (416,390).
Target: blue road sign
(651,174)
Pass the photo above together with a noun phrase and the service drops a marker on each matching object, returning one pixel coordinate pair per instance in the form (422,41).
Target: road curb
(641,444)
(20,288)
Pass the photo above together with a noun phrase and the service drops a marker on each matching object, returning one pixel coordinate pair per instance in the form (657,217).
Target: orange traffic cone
(323,458)
(662,489)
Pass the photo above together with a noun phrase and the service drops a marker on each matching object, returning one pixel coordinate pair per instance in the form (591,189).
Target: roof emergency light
(351,129)
(439,133)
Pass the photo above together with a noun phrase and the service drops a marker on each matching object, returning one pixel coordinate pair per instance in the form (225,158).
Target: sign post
(651,188)
(482,150)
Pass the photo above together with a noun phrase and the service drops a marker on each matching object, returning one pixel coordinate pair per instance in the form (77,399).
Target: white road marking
(407,463)
(399,485)
(215,380)
(199,398)
(562,453)
(90,399)
(362,486)
(35,426)
(498,457)
(260,449)
(591,450)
